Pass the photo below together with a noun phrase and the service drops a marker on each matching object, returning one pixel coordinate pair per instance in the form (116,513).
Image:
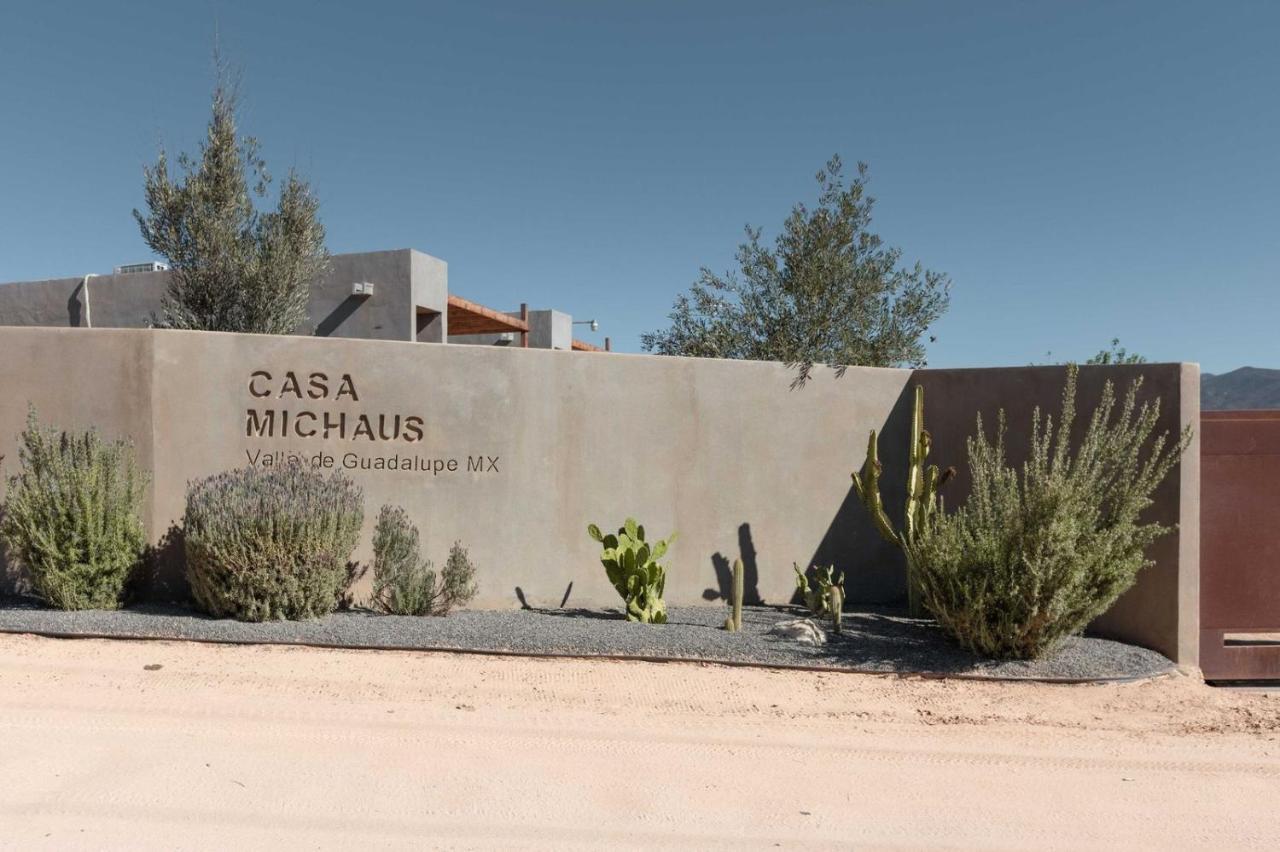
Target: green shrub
(1036,553)
(271,543)
(632,566)
(72,520)
(403,584)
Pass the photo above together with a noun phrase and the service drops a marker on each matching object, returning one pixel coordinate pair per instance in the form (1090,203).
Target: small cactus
(734,622)
(818,599)
(835,600)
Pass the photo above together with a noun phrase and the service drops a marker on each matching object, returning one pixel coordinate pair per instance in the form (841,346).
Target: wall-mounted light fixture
(595,326)
(363,289)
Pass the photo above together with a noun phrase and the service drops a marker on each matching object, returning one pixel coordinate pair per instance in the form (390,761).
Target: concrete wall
(404,281)
(535,444)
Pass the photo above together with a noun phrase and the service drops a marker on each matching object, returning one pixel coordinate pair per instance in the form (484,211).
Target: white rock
(803,630)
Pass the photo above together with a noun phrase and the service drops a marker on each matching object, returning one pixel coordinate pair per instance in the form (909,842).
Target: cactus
(835,600)
(734,622)
(633,568)
(818,599)
(923,483)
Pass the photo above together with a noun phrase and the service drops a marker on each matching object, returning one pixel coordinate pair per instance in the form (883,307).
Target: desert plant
(734,622)
(1037,552)
(922,501)
(817,598)
(271,543)
(72,516)
(404,584)
(632,566)
(835,601)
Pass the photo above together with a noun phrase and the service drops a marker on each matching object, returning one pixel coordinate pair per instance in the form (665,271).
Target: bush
(405,585)
(271,543)
(71,519)
(1035,554)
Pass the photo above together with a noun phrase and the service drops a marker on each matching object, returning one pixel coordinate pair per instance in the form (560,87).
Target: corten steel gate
(1240,545)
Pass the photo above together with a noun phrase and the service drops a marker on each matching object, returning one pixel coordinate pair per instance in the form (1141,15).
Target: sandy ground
(169,745)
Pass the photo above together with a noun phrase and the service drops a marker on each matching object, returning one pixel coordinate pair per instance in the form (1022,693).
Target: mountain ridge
(1243,388)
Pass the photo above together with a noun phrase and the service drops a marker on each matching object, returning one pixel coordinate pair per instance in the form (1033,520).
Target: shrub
(403,584)
(271,543)
(633,569)
(1035,554)
(71,519)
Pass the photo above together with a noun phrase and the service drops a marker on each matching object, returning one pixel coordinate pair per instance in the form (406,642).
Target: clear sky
(1082,170)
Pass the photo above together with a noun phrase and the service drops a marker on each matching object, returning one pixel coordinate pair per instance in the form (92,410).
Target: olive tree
(828,291)
(233,268)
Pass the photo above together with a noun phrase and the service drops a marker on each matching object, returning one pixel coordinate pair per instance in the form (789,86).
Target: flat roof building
(383,295)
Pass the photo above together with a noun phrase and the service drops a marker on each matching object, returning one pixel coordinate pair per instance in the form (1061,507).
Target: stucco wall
(725,452)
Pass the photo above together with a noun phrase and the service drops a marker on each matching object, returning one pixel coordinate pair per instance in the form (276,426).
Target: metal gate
(1240,545)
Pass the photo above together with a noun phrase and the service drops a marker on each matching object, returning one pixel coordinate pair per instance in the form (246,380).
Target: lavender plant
(404,584)
(271,543)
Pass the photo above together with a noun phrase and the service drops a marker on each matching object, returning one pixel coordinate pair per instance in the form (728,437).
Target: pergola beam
(466,317)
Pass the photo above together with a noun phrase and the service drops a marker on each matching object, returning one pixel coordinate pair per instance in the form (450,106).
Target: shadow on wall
(874,570)
(162,575)
(723,567)
(73,307)
(338,316)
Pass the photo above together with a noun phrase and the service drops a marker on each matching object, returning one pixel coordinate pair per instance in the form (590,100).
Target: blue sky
(1081,170)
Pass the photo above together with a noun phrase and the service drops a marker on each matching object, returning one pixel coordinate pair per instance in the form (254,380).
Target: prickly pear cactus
(632,566)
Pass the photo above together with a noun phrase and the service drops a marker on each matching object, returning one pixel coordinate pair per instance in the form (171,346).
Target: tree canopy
(1117,354)
(233,268)
(828,291)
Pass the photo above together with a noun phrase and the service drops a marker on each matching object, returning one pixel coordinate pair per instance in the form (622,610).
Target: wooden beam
(466,317)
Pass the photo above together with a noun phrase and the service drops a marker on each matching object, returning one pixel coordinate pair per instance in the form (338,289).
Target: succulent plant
(922,501)
(835,601)
(818,598)
(734,622)
(633,568)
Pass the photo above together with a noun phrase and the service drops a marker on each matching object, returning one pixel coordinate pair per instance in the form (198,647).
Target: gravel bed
(873,640)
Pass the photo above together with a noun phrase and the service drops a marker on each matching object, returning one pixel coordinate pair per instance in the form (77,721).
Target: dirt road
(169,745)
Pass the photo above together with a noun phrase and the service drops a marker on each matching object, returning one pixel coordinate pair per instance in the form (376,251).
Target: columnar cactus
(835,600)
(923,483)
(633,568)
(734,622)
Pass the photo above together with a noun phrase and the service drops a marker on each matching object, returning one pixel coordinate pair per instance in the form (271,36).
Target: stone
(806,631)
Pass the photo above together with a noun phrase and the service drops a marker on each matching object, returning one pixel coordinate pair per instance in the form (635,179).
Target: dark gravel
(872,641)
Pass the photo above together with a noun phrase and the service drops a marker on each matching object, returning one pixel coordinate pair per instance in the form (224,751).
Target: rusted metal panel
(1240,544)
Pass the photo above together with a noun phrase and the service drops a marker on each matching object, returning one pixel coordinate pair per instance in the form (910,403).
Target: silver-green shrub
(271,543)
(1037,552)
(72,516)
(404,584)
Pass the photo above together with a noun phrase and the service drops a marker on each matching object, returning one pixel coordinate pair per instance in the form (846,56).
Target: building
(384,295)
